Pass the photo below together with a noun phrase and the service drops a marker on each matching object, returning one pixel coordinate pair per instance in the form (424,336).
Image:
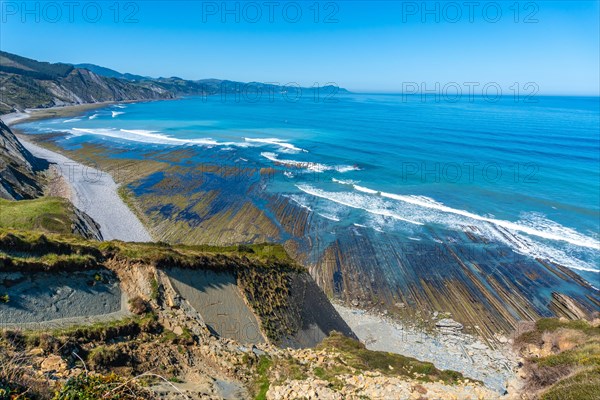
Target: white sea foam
(346,168)
(571,248)
(72,120)
(532,248)
(146,136)
(93,116)
(357,201)
(276,142)
(550,231)
(365,190)
(311,166)
(344,182)
(115,113)
(330,217)
(301,201)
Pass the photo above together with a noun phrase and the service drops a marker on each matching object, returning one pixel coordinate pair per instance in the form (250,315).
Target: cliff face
(26,83)
(17,168)
(19,180)
(83,86)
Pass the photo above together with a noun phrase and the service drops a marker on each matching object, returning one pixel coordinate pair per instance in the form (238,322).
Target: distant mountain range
(111,73)
(27,83)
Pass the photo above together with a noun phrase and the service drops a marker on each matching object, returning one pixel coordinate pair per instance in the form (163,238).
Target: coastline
(493,365)
(95,192)
(34,114)
(90,190)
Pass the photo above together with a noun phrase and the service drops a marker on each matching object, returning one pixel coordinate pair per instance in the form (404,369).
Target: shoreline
(95,192)
(457,351)
(73,110)
(90,190)
(34,114)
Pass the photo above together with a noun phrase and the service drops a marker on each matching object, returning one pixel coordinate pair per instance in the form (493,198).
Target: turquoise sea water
(398,165)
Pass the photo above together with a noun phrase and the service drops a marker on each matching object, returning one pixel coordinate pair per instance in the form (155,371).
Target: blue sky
(363,46)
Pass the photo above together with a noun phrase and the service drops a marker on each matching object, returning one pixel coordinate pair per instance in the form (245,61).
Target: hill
(111,73)
(27,83)
(158,336)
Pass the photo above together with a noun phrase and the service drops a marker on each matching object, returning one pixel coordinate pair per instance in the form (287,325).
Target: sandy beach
(95,193)
(91,190)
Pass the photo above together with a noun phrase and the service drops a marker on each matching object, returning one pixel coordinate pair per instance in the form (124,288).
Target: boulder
(53,363)
(448,324)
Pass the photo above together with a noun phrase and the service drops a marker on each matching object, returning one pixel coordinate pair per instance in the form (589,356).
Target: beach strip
(95,193)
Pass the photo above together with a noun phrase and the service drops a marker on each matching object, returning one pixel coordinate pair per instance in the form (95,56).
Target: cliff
(23,178)
(27,83)
(17,168)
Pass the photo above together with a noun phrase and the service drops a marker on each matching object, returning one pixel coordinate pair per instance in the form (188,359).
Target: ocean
(524,174)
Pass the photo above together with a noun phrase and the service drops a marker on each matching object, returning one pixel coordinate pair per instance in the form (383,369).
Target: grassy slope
(47,214)
(569,368)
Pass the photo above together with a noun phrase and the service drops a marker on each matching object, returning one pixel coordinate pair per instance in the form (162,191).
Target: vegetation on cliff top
(356,355)
(562,359)
(46,214)
(29,249)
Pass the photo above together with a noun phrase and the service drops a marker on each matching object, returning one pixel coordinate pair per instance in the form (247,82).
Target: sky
(550,47)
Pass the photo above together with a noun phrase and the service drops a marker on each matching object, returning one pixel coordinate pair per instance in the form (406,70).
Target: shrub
(104,357)
(139,306)
(154,289)
(244,248)
(95,386)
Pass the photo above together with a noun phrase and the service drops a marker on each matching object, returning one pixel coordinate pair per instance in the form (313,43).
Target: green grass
(570,374)
(43,247)
(331,375)
(154,289)
(96,386)
(586,354)
(46,214)
(553,324)
(262,381)
(99,331)
(584,385)
(104,357)
(264,272)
